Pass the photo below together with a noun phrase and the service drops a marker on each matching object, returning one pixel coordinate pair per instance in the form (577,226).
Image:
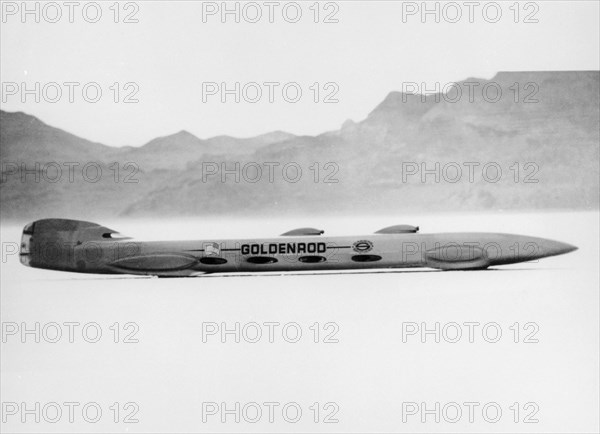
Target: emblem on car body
(362,246)
(212,249)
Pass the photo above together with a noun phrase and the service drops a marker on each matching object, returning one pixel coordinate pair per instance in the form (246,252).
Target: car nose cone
(553,248)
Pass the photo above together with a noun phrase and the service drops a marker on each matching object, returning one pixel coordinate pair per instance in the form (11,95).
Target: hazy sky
(174,48)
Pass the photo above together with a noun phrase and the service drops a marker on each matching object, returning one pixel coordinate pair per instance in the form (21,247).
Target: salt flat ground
(364,371)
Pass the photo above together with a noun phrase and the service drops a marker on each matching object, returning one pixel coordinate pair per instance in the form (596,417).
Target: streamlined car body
(85,247)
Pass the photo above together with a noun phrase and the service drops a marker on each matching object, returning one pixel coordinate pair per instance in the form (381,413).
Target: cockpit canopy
(399,229)
(303,232)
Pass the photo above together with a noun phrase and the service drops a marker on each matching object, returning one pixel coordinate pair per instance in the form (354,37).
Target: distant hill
(545,127)
(24,138)
(177,150)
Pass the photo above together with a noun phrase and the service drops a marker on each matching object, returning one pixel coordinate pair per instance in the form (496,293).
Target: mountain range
(530,141)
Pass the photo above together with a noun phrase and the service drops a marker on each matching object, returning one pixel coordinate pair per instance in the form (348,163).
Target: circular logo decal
(362,246)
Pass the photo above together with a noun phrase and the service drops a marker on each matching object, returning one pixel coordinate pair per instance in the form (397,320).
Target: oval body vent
(213,260)
(312,259)
(261,260)
(156,262)
(366,258)
(456,257)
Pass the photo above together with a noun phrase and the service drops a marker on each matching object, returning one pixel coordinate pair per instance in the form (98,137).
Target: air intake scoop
(399,229)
